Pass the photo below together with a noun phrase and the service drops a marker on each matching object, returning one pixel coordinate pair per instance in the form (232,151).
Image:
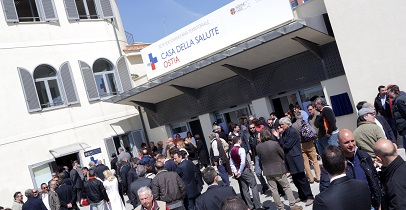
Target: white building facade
(60,59)
(342,52)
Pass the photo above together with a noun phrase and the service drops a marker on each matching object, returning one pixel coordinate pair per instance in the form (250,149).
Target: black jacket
(95,191)
(76,180)
(170,165)
(186,171)
(379,108)
(202,153)
(399,113)
(67,194)
(213,197)
(131,176)
(34,204)
(394,185)
(344,193)
(99,171)
(327,115)
(135,186)
(290,143)
(253,141)
(370,172)
(113,163)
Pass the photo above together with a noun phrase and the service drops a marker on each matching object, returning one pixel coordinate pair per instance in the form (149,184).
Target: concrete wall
(370,38)
(337,86)
(161,133)
(206,121)
(137,67)
(262,107)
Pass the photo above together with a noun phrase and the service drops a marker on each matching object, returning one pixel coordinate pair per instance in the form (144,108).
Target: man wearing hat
(368,132)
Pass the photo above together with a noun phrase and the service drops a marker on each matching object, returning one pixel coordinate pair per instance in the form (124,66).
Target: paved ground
(266,199)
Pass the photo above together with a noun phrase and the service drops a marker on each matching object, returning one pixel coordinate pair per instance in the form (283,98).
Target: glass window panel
(55,94)
(42,94)
(42,174)
(27,11)
(101,85)
(81,9)
(112,84)
(92,9)
(306,94)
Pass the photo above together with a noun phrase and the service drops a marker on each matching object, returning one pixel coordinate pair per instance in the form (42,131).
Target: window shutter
(10,11)
(71,10)
(138,137)
(88,79)
(49,10)
(30,92)
(106,9)
(68,84)
(124,73)
(110,146)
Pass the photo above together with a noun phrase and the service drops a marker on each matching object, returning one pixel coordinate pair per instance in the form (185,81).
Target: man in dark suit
(273,163)
(141,181)
(113,162)
(67,195)
(76,180)
(132,174)
(290,142)
(343,192)
(100,168)
(123,168)
(186,171)
(33,203)
(215,194)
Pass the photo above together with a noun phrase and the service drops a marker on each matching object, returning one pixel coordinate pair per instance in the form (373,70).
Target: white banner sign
(228,25)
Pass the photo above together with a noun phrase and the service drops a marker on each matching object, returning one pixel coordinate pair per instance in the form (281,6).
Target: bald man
(359,166)
(392,175)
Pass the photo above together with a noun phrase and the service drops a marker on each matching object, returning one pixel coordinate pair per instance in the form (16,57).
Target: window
(47,87)
(105,80)
(88,9)
(29,10)
(46,83)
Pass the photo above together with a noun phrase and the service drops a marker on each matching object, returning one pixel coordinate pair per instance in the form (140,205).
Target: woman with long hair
(110,183)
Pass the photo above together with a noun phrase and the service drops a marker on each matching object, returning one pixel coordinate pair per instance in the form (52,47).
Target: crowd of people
(361,168)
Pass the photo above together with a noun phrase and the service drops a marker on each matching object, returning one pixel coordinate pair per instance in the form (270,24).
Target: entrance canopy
(68,149)
(280,43)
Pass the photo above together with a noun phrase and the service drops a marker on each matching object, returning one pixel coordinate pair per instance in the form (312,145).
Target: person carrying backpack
(308,135)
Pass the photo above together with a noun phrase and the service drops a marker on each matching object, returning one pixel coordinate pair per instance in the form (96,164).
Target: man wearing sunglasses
(253,141)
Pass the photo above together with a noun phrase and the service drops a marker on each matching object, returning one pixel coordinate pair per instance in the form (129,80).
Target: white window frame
(42,15)
(104,74)
(104,9)
(47,89)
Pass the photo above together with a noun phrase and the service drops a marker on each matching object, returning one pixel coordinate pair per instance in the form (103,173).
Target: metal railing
(129,37)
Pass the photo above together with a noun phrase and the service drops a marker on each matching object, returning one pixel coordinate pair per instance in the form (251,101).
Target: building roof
(135,47)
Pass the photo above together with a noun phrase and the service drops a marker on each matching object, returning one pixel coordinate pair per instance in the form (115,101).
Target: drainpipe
(143,125)
(115,34)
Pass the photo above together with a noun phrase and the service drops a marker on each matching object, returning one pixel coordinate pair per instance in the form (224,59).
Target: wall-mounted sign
(233,23)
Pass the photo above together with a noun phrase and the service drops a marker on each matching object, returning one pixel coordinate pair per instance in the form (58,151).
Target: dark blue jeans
(258,172)
(223,174)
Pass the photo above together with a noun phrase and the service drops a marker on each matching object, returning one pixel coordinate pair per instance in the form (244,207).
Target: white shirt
(241,153)
(380,125)
(45,200)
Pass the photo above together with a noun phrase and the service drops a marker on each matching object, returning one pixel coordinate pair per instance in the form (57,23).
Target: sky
(152,20)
